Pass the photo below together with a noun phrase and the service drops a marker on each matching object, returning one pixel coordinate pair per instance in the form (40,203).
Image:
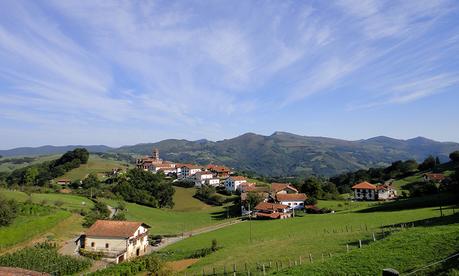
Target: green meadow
(65,201)
(26,227)
(255,241)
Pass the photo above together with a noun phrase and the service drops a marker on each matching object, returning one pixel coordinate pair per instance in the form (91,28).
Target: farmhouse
(205,178)
(64,181)
(364,191)
(386,192)
(294,201)
(265,210)
(435,177)
(188,170)
(219,171)
(116,240)
(368,191)
(232,183)
(283,188)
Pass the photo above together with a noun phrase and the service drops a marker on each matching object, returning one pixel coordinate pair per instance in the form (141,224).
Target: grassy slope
(95,164)
(164,221)
(404,251)
(184,200)
(9,167)
(70,202)
(24,228)
(282,239)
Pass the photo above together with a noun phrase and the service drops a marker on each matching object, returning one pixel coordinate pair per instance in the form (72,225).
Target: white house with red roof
(205,178)
(188,170)
(283,188)
(232,183)
(294,201)
(367,191)
(116,240)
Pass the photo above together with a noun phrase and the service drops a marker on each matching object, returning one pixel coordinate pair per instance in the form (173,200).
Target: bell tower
(155,154)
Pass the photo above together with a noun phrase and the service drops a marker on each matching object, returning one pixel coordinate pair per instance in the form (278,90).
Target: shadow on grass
(429,222)
(228,212)
(414,203)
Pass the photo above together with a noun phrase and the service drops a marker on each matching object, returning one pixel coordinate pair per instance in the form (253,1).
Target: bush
(94,255)
(8,211)
(150,263)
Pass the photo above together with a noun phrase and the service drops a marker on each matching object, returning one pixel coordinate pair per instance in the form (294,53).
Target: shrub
(95,255)
(150,263)
(8,211)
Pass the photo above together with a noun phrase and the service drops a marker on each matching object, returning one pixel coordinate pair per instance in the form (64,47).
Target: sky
(127,72)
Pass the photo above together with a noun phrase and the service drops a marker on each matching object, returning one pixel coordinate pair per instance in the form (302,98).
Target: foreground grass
(170,222)
(405,251)
(66,201)
(281,240)
(25,228)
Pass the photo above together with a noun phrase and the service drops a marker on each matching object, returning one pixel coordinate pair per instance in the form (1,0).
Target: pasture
(185,202)
(26,227)
(278,240)
(65,201)
(169,221)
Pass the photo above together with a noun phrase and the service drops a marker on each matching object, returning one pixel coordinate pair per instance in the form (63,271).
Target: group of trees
(144,188)
(318,188)
(41,174)
(8,211)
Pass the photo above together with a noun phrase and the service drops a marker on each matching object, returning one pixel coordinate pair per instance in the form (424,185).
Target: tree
(91,182)
(454,156)
(312,187)
(8,211)
(437,161)
(30,176)
(428,164)
(310,201)
(253,198)
(99,211)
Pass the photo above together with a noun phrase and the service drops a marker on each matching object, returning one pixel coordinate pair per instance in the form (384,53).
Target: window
(93,244)
(106,245)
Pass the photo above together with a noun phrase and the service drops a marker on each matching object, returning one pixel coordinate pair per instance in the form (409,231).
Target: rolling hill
(282,153)
(288,154)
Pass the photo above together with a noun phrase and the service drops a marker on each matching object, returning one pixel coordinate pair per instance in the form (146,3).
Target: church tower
(156,154)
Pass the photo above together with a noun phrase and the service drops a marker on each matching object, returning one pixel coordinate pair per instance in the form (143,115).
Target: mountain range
(278,154)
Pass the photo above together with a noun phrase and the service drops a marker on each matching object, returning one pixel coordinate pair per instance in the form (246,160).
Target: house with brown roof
(364,191)
(367,191)
(219,171)
(283,188)
(435,177)
(266,210)
(294,201)
(116,240)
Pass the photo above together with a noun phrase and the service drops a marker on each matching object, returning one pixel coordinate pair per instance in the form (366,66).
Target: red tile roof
(291,197)
(113,228)
(266,206)
(364,185)
(271,215)
(435,176)
(277,187)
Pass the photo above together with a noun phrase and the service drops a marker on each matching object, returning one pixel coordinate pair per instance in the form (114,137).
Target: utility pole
(250,224)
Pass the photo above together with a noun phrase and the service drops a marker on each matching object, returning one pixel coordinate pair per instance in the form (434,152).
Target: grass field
(405,251)
(70,202)
(282,239)
(95,164)
(24,228)
(343,205)
(165,221)
(185,202)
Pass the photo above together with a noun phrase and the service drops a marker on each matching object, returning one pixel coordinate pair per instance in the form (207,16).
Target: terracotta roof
(217,168)
(64,180)
(291,197)
(276,187)
(435,176)
(364,185)
(114,228)
(244,195)
(191,167)
(266,206)
(271,215)
(204,172)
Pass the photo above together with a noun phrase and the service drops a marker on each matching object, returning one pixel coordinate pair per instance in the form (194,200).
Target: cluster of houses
(211,175)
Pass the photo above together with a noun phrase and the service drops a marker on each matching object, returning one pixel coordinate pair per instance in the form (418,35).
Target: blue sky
(124,72)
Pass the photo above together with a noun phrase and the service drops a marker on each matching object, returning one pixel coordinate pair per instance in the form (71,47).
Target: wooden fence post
(374,237)
(264,269)
(347,248)
(330,254)
(360,243)
(234,269)
(310,257)
(301,260)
